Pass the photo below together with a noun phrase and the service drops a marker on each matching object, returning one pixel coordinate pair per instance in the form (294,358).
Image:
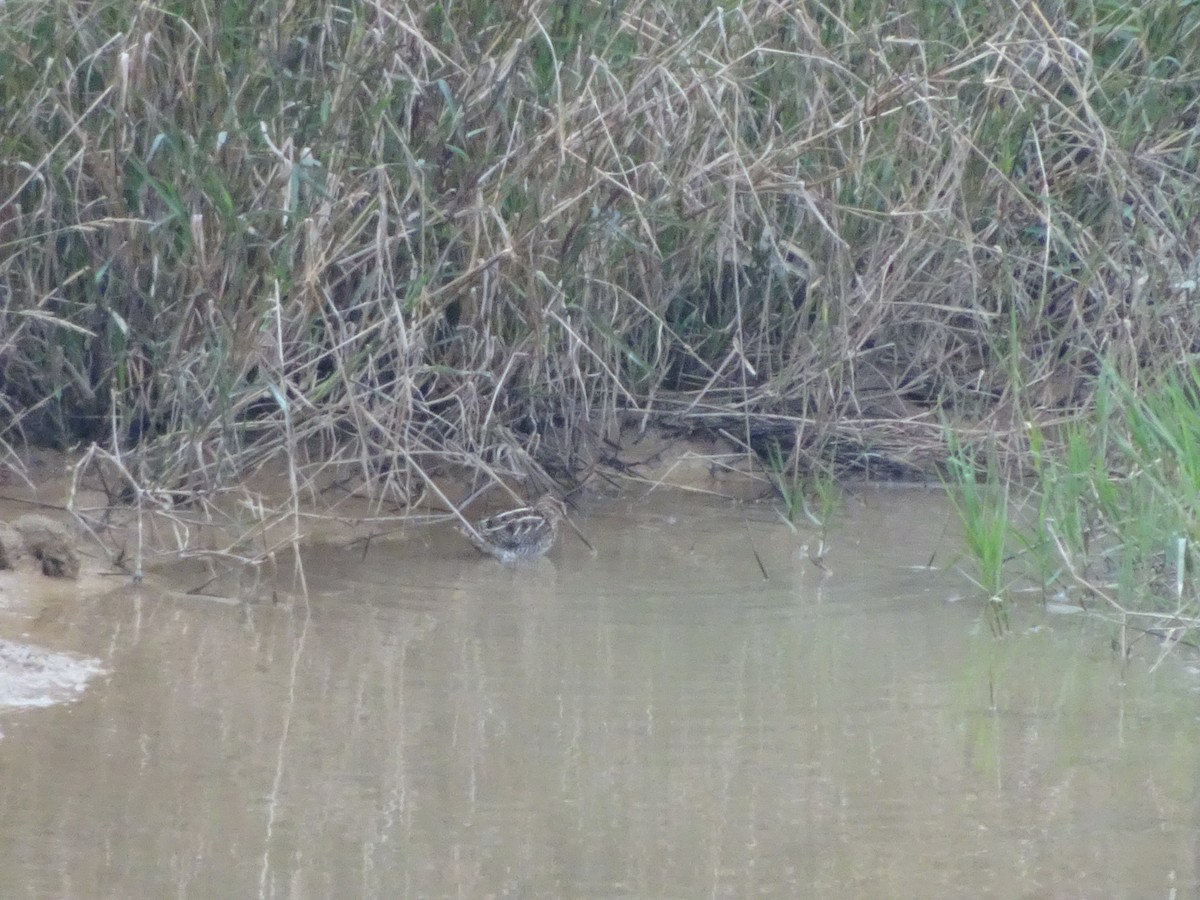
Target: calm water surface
(654,721)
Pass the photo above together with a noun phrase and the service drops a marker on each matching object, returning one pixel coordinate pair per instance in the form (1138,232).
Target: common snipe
(522,533)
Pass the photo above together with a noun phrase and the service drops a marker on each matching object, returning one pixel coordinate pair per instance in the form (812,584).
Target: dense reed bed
(383,242)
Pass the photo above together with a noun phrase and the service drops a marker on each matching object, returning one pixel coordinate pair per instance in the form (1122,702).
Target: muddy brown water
(657,720)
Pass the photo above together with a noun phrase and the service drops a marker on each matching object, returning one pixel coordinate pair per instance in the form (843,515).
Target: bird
(524,533)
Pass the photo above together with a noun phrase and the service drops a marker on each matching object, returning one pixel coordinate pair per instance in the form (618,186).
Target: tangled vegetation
(380,242)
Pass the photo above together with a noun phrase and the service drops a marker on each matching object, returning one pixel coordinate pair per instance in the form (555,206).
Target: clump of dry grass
(381,241)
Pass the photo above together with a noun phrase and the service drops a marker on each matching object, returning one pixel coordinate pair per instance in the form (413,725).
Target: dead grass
(383,242)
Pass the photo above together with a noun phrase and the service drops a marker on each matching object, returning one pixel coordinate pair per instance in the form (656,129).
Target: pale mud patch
(49,543)
(257,516)
(239,543)
(659,457)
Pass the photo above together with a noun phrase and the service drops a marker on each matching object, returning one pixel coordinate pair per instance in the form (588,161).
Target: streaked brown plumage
(523,533)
